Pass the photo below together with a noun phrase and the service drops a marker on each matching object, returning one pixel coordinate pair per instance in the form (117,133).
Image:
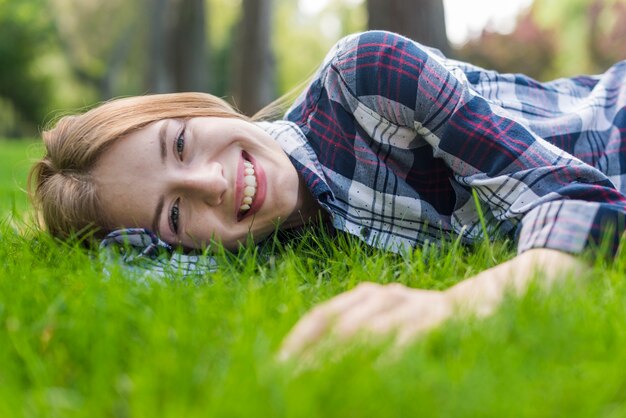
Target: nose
(205,182)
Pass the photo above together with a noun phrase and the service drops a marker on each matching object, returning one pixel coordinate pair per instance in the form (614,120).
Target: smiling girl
(388,142)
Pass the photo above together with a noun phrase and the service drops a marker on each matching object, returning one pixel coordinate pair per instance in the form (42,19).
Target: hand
(371,309)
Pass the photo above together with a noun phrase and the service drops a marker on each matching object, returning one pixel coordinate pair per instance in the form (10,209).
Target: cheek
(200,235)
(122,210)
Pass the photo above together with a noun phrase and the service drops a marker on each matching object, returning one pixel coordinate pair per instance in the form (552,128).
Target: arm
(393,85)
(483,293)
(381,310)
(561,205)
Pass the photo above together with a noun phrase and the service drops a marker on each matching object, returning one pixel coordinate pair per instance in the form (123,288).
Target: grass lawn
(77,343)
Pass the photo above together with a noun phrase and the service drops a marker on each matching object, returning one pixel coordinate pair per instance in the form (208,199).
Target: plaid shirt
(392,138)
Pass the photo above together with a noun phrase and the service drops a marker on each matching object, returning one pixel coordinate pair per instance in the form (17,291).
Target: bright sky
(464,18)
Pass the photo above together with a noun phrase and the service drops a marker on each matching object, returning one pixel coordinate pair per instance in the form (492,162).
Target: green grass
(77,343)
(15,158)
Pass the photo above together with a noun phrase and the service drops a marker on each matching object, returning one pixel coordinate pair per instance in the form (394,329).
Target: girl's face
(200,180)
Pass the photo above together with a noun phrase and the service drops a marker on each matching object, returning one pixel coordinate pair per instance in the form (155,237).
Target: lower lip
(261,188)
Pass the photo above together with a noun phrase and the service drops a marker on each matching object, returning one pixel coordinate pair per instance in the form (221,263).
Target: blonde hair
(61,184)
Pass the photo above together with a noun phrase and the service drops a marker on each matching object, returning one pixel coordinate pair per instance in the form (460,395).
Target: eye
(179,144)
(174,216)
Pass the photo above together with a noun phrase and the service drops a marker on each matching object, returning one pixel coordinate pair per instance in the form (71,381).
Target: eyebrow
(162,139)
(161,202)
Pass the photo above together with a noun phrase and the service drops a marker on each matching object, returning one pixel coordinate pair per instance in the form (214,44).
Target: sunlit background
(464,19)
(59,56)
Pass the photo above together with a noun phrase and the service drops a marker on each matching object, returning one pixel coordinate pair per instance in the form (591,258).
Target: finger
(316,324)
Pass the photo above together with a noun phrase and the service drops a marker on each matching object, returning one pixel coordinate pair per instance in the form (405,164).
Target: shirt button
(365,232)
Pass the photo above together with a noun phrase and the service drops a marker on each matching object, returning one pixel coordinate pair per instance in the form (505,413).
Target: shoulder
(373,63)
(370,61)
(377,41)
(381,52)
(373,38)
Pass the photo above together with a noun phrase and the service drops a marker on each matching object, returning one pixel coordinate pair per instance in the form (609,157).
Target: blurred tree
(108,43)
(96,38)
(589,33)
(254,83)
(556,39)
(607,32)
(160,79)
(303,37)
(191,46)
(24,89)
(529,49)
(224,18)
(421,20)
(178,53)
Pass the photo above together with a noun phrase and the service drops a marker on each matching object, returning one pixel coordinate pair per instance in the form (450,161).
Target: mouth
(250,188)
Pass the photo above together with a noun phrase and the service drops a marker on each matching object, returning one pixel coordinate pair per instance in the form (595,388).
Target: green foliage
(222,20)
(556,39)
(24,88)
(313,35)
(76,342)
(530,49)
(15,159)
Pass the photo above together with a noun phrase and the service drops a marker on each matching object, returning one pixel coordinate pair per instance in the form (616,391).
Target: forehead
(126,177)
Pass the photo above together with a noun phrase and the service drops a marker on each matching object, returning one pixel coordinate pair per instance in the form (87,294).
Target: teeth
(250,181)
(250,186)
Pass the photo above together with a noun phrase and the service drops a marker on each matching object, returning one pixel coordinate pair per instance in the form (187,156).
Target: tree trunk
(159,77)
(253,82)
(177,53)
(190,48)
(420,20)
(115,62)
(96,60)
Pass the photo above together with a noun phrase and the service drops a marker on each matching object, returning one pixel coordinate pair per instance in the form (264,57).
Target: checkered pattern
(393,137)
(144,254)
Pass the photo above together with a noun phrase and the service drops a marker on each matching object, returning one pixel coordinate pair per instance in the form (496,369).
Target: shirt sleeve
(559,201)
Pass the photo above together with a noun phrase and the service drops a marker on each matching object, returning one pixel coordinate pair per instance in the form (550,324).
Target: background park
(78,342)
